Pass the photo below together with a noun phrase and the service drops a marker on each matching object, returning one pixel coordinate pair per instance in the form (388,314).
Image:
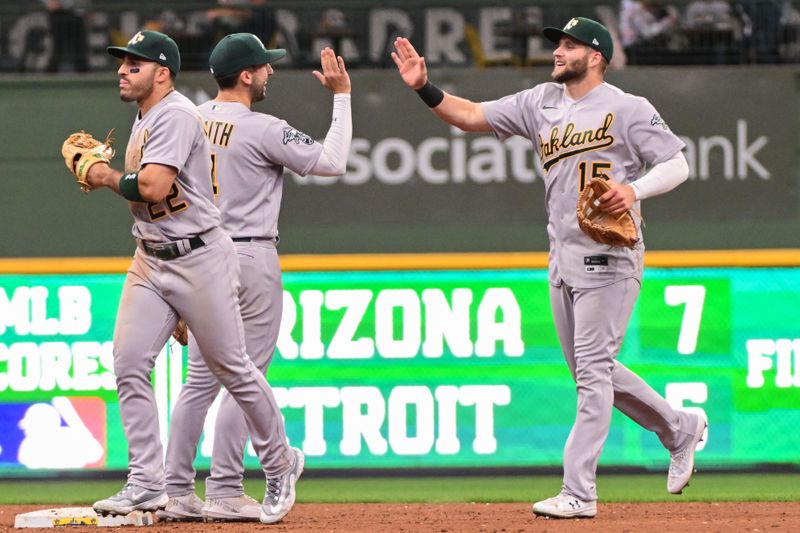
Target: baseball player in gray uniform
(583,127)
(184,265)
(250,151)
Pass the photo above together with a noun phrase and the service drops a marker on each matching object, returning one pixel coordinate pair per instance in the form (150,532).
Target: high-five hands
(334,76)
(410,64)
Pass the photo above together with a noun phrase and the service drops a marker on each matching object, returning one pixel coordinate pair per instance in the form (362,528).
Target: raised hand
(410,64)
(334,75)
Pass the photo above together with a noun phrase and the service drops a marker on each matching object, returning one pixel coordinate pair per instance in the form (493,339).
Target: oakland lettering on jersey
(218,132)
(571,142)
(135,151)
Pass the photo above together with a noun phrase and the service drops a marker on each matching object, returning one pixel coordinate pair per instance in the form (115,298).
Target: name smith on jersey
(218,132)
(561,146)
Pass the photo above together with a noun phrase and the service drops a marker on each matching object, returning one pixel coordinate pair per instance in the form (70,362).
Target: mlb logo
(59,434)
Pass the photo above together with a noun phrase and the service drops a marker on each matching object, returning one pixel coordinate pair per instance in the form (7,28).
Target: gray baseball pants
(261,304)
(591,325)
(202,287)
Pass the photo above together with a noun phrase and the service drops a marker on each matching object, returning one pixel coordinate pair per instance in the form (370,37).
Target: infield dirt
(493,517)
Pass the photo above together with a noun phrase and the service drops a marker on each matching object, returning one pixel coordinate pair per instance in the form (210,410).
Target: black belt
(170,250)
(250,239)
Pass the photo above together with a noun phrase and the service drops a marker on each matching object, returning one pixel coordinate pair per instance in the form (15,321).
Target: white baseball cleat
(565,506)
(186,508)
(681,462)
(235,509)
(280,494)
(132,498)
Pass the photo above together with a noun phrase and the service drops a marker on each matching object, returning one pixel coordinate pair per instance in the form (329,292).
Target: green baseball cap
(238,51)
(587,31)
(153,46)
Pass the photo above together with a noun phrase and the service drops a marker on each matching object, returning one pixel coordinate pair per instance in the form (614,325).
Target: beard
(137,93)
(572,71)
(258,92)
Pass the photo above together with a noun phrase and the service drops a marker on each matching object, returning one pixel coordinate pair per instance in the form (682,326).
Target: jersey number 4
(595,169)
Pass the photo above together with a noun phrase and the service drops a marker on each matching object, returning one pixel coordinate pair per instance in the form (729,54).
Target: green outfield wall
(421,368)
(414,184)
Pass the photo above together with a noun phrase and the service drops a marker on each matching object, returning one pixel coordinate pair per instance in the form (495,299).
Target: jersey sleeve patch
(658,121)
(297,137)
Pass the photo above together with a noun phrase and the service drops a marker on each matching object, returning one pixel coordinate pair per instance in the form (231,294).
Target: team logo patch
(297,137)
(571,24)
(658,121)
(139,37)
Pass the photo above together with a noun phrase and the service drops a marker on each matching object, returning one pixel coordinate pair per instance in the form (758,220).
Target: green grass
(612,488)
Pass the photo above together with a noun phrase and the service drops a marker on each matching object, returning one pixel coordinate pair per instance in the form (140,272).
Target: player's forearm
(336,146)
(461,113)
(155,181)
(151,184)
(104,176)
(662,178)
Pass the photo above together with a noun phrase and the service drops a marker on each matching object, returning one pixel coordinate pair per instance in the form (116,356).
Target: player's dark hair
(229,82)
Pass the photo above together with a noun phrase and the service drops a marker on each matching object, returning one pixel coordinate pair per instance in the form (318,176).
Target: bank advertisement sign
(421,369)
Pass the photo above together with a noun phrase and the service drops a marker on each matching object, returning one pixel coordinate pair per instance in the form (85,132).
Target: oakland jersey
(250,151)
(608,134)
(171,134)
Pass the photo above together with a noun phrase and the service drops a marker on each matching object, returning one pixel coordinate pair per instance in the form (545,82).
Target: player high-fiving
(250,151)
(584,129)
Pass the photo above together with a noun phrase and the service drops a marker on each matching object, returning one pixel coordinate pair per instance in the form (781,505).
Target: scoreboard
(421,368)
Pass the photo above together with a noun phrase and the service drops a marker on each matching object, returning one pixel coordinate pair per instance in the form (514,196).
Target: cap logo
(162,57)
(571,24)
(139,37)
(595,42)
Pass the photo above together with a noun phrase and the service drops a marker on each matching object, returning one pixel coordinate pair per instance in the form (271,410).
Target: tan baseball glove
(81,151)
(181,333)
(601,226)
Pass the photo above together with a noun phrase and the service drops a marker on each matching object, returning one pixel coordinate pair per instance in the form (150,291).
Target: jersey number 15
(595,169)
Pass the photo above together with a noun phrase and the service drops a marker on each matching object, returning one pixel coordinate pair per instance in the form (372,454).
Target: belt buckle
(162,250)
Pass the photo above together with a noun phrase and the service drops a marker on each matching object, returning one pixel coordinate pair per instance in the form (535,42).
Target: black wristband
(129,187)
(431,94)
